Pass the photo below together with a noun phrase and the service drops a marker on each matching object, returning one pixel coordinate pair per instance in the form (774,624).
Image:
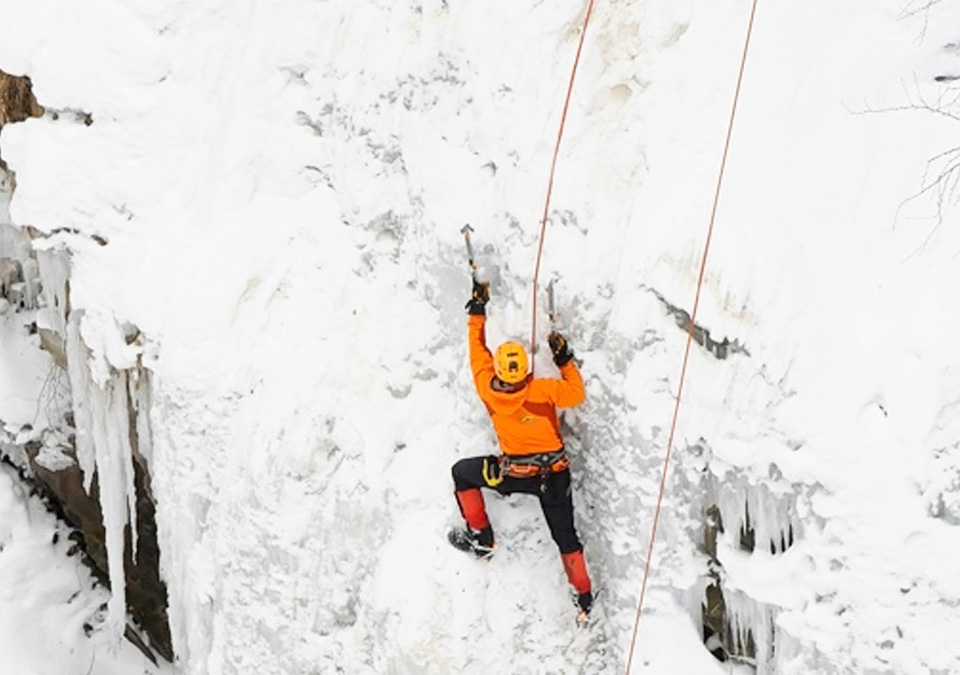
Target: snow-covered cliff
(253,211)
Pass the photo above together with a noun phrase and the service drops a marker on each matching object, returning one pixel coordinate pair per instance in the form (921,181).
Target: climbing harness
(540,464)
(527,466)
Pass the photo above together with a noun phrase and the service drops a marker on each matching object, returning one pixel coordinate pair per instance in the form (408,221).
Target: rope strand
(696,302)
(553,168)
(686,353)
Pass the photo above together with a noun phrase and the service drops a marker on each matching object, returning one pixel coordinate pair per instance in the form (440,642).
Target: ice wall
(103,392)
(273,196)
(110,441)
(86,409)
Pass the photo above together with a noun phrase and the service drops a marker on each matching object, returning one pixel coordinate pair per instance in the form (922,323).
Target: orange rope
(553,168)
(686,353)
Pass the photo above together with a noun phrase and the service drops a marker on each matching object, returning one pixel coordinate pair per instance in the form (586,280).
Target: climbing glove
(477,303)
(560,348)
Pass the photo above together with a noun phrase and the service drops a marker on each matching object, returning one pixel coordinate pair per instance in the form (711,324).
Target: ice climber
(533,460)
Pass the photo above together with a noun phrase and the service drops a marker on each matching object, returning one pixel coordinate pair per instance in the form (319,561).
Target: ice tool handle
(465,231)
(551,307)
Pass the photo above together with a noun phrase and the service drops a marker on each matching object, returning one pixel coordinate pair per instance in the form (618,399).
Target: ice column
(101,413)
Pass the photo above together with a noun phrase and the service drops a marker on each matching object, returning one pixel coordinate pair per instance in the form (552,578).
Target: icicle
(139,385)
(120,414)
(31,275)
(54,270)
(81,387)
(101,415)
(751,631)
(761,513)
(746,514)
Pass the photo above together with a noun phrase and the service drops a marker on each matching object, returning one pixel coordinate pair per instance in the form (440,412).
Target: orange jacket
(525,420)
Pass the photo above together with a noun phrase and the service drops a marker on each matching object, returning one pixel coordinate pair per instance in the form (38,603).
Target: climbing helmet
(510,362)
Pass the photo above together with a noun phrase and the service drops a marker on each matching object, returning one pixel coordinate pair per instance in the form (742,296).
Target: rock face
(17,102)
(146,593)
(61,480)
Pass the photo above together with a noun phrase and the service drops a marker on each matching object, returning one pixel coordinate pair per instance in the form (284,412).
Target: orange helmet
(510,362)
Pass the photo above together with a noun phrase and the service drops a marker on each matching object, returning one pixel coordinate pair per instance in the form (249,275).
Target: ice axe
(551,313)
(551,307)
(465,231)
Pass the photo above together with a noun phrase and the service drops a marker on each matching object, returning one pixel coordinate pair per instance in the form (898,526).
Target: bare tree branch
(941,177)
(915,7)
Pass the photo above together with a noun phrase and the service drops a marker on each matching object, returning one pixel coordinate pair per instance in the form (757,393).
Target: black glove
(477,303)
(560,348)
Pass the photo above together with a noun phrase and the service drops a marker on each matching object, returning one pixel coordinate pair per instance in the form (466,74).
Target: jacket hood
(507,402)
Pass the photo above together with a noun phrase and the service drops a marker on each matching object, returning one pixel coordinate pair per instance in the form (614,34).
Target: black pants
(554,495)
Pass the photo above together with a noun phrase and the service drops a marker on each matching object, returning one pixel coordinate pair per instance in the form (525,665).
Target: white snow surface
(51,609)
(272,193)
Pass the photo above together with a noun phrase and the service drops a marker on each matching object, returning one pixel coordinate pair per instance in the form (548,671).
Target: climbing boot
(584,605)
(478,542)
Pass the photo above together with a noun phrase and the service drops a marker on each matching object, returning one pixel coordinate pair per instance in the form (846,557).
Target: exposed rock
(720,349)
(146,593)
(11,274)
(17,101)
